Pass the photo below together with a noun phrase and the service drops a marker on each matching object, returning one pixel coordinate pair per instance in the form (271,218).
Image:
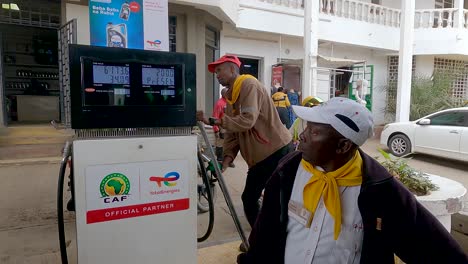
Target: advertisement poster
(121,191)
(276,76)
(137,24)
(156,27)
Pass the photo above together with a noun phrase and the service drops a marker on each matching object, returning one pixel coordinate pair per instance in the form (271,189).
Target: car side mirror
(424,122)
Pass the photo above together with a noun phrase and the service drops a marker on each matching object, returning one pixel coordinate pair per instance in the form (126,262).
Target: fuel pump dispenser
(134,158)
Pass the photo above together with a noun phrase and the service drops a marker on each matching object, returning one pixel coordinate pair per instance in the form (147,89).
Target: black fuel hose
(60,218)
(210,198)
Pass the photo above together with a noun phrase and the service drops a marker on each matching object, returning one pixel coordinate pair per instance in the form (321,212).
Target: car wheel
(399,145)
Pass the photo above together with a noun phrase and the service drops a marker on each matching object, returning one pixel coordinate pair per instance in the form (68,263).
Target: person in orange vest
(281,102)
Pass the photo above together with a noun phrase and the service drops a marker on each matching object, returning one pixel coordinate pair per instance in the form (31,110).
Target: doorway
(249,66)
(29,61)
(30,74)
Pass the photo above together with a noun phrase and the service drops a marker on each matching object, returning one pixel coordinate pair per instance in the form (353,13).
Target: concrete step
(14,152)
(33,135)
(32,141)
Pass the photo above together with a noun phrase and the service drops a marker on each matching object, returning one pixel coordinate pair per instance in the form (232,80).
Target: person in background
(361,91)
(294,100)
(252,127)
(281,102)
(330,202)
(299,125)
(218,112)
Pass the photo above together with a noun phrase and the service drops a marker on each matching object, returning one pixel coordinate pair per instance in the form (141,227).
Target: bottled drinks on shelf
(36,74)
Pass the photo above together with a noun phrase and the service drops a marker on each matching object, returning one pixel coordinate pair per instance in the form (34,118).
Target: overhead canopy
(332,62)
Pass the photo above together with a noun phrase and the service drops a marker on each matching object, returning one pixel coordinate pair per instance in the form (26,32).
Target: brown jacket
(252,125)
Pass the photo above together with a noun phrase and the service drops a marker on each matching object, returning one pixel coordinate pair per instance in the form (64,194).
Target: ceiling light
(14,7)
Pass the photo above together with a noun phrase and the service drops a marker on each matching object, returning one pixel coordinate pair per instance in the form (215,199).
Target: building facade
(356,40)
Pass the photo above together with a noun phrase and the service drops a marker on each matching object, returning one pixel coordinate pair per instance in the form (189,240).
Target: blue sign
(116,23)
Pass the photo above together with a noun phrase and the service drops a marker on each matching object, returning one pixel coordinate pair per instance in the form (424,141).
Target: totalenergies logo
(155,43)
(116,185)
(169,179)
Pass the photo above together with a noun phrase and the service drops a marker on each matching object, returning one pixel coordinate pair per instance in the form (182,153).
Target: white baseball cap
(349,118)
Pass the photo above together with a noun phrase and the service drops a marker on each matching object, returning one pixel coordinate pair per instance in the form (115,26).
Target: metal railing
(67,35)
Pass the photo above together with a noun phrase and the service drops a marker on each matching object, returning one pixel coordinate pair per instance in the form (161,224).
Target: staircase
(32,141)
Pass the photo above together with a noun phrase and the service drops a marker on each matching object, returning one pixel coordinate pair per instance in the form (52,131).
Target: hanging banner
(156,28)
(276,76)
(138,24)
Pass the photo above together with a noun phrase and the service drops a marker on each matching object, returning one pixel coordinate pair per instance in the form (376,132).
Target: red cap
(223,59)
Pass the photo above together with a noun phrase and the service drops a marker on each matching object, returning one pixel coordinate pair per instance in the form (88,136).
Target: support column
(460,16)
(309,77)
(196,44)
(405,62)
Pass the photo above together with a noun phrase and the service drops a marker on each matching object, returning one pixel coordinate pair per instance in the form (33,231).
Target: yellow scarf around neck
(326,184)
(237,87)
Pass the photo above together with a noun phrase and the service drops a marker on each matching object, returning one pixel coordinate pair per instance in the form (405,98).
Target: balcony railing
(382,15)
(436,18)
(361,11)
(299,4)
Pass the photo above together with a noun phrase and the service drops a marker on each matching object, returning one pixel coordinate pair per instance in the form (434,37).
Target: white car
(443,134)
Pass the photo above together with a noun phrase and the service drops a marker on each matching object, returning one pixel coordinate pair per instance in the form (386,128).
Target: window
(459,70)
(376,2)
(449,119)
(444,3)
(172,33)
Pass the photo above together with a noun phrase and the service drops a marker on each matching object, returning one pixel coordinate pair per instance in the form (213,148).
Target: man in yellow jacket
(281,102)
(252,127)
(299,125)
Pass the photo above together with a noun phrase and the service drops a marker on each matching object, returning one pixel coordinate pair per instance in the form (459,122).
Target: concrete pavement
(227,252)
(28,232)
(28,226)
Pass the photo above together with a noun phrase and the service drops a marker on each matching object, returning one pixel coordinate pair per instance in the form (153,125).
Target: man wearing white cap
(331,203)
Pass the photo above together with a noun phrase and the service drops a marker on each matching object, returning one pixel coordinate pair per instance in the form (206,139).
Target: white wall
(440,41)
(265,47)
(394,3)
(424,65)
(425,4)
(81,13)
(348,31)
(222,9)
(274,22)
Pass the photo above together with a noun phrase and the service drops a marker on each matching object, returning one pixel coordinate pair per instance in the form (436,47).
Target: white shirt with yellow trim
(316,245)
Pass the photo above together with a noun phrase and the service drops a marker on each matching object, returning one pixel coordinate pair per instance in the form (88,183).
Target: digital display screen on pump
(133,84)
(160,85)
(130,88)
(110,85)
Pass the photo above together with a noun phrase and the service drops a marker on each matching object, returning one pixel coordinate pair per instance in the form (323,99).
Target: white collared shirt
(316,245)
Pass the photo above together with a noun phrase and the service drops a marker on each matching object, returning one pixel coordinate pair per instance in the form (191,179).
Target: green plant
(414,180)
(429,94)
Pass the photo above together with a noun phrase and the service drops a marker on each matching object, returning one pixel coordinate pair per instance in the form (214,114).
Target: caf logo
(114,185)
